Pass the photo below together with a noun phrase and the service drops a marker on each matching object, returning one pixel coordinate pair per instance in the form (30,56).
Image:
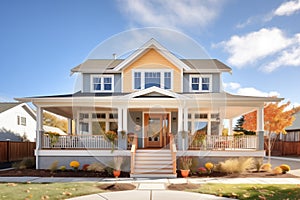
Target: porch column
(185,140)
(123,142)
(180,129)
(39,133)
(69,126)
(120,128)
(260,128)
(229,126)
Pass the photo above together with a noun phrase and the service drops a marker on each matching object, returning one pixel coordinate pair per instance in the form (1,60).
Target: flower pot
(185,173)
(117,173)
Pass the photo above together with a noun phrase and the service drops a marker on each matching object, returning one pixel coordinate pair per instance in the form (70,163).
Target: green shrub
(236,165)
(96,167)
(258,164)
(62,168)
(54,165)
(26,163)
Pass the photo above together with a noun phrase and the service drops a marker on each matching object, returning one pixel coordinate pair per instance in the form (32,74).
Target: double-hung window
(148,78)
(200,83)
(102,83)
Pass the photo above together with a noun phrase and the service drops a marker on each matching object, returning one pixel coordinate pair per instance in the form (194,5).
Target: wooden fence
(14,151)
(285,148)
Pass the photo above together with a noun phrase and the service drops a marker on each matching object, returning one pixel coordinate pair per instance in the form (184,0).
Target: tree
(276,119)
(239,127)
(52,120)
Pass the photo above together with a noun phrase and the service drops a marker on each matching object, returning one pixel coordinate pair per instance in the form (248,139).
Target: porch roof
(230,105)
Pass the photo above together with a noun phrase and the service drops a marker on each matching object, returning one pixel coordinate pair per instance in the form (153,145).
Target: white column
(39,132)
(208,123)
(125,110)
(260,119)
(120,119)
(69,126)
(185,119)
(229,126)
(180,120)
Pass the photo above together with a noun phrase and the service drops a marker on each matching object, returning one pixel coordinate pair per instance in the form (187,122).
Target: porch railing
(216,142)
(78,142)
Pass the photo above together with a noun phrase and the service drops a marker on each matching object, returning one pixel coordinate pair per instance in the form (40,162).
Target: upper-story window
(200,83)
(21,120)
(147,79)
(102,83)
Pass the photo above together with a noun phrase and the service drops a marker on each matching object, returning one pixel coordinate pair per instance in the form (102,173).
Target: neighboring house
(165,101)
(293,131)
(17,121)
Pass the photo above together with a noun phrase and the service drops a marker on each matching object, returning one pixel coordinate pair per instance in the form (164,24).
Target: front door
(156,128)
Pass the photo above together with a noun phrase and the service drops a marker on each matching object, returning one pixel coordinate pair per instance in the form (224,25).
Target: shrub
(202,170)
(209,166)
(53,166)
(26,163)
(266,167)
(85,166)
(277,170)
(62,168)
(96,167)
(74,164)
(186,162)
(236,165)
(285,168)
(258,164)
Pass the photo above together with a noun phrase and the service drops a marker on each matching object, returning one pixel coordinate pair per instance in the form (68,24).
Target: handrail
(173,152)
(133,151)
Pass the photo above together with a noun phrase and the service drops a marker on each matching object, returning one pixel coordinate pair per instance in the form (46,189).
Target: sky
(41,40)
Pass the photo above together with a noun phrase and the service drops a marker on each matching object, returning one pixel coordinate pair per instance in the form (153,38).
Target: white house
(17,118)
(163,100)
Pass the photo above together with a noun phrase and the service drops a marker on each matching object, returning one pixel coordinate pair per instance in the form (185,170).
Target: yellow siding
(151,60)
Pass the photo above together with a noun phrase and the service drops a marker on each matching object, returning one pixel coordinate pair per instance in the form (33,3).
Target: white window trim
(102,83)
(200,83)
(162,78)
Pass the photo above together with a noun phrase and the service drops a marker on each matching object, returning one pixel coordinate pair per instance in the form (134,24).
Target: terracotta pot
(185,173)
(117,173)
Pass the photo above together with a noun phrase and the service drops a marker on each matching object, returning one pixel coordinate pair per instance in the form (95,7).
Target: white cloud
(248,91)
(173,14)
(253,46)
(288,8)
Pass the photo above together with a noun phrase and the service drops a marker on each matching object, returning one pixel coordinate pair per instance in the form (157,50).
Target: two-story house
(163,100)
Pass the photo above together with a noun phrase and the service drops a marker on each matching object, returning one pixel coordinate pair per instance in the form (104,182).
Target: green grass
(35,191)
(252,191)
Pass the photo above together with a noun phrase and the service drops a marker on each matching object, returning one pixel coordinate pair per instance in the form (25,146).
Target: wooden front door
(156,128)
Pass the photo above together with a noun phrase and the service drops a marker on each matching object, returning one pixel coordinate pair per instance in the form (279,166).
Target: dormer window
(200,83)
(143,79)
(102,83)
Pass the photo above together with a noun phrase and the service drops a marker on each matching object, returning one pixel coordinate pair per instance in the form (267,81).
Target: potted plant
(54,137)
(186,163)
(118,161)
(112,136)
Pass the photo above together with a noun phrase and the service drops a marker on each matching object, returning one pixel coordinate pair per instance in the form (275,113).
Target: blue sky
(42,40)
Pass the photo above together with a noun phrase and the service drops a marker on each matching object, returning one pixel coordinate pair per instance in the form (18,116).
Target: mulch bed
(183,186)
(66,173)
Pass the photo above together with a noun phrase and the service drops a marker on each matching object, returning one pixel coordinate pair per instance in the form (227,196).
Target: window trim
(200,83)
(102,83)
(162,78)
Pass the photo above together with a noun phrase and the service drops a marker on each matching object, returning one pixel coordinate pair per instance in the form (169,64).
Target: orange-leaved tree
(276,119)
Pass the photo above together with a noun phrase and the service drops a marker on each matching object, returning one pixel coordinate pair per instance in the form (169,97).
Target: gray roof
(8,135)
(106,65)
(7,105)
(296,123)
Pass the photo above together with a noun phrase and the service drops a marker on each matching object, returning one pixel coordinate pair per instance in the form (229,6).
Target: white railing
(78,142)
(215,143)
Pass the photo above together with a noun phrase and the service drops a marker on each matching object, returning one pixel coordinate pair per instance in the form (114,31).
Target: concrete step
(142,158)
(154,167)
(153,162)
(153,175)
(155,171)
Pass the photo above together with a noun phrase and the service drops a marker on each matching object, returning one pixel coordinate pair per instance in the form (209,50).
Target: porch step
(153,163)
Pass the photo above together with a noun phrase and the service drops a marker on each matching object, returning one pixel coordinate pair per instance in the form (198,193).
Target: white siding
(9,122)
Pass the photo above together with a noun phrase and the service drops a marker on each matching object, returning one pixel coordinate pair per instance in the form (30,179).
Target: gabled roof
(152,44)
(154,92)
(206,65)
(4,106)
(296,123)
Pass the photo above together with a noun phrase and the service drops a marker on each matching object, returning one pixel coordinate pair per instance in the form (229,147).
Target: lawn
(45,191)
(252,191)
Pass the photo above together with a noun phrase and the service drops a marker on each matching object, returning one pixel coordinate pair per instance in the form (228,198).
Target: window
(152,79)
(137,80)
(147,78)
(200,122)
(21,120)
(84,127)
(200,83)
(102,83)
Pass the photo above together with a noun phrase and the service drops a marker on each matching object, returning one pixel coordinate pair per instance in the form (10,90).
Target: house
(293,131)
(17,122)
(157,103)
